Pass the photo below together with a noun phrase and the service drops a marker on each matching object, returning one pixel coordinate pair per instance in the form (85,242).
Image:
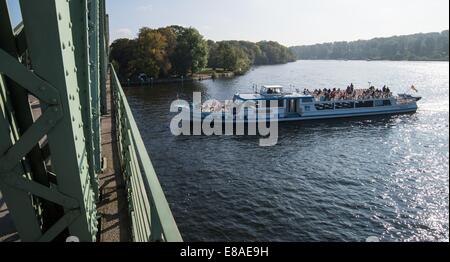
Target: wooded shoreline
(415,47)
(179,51)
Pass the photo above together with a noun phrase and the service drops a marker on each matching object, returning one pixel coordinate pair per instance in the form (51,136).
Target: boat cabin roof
(272,86)
(257,97)
(271,92)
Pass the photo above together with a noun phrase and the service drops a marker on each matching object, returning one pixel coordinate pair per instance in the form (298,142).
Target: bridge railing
(150,213)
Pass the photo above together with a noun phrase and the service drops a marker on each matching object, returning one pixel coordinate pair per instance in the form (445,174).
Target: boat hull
(410,109)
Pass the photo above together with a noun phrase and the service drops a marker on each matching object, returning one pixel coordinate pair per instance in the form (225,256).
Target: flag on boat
(414,88)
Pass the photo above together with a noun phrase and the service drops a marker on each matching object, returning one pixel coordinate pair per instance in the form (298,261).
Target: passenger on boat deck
(350,93)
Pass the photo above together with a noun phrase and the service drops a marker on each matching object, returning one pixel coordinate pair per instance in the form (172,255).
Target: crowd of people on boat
(350,93)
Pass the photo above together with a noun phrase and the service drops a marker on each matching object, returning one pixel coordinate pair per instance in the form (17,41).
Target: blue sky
(290,22)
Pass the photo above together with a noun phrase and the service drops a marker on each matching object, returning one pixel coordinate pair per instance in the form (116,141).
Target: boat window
(344,105)
(266,103)
(307,100)
(383,103)
(272,90)
(364,104)
(325,106)
(291,106)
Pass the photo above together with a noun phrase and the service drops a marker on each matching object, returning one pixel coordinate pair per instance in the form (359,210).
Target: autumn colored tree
(176,50)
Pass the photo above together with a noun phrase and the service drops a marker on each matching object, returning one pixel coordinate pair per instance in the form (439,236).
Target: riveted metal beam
(103,57)
(94,57)
(19,202)
(11,67)
(14,43)
(79,25)
(60,225)
(49,31)
(29,139)
(66,43)
(37,189)
(25,210)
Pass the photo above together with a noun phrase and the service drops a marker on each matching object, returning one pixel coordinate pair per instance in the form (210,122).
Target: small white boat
(271,102)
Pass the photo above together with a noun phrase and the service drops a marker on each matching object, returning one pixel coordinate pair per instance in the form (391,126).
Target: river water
(342,180)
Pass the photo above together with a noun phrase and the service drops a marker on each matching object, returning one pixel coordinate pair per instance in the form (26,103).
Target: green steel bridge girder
(80,35)
(94,56)
(50,185)
(103,45)
(60,59)
(56,38)
(15,97)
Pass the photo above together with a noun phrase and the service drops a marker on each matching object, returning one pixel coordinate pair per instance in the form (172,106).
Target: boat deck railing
(150,215)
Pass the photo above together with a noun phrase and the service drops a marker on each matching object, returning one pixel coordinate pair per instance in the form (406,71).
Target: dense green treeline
(239,56)
(431,46)
(175,51)
(162,52)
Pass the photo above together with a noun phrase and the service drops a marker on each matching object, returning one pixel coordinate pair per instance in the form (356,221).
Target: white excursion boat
(272,102)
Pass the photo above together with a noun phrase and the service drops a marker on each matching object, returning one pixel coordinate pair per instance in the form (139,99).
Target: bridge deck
(113,206)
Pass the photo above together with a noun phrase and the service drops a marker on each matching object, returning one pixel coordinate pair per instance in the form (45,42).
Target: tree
(151,57)
(213,55)
(233,58)
(239,56)
(274,53)
(182,51)
(431,46)
(191,52)
(122,52)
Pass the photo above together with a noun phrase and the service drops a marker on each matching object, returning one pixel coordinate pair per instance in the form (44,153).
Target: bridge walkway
(113,206)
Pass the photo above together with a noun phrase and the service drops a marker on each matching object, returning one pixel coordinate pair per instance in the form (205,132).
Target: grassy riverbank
(205,74)
(209,73)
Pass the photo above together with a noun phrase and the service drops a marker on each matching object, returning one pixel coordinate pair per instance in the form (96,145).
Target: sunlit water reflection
(324,181)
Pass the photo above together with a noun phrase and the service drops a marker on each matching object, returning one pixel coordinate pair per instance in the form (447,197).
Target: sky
(290,22)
